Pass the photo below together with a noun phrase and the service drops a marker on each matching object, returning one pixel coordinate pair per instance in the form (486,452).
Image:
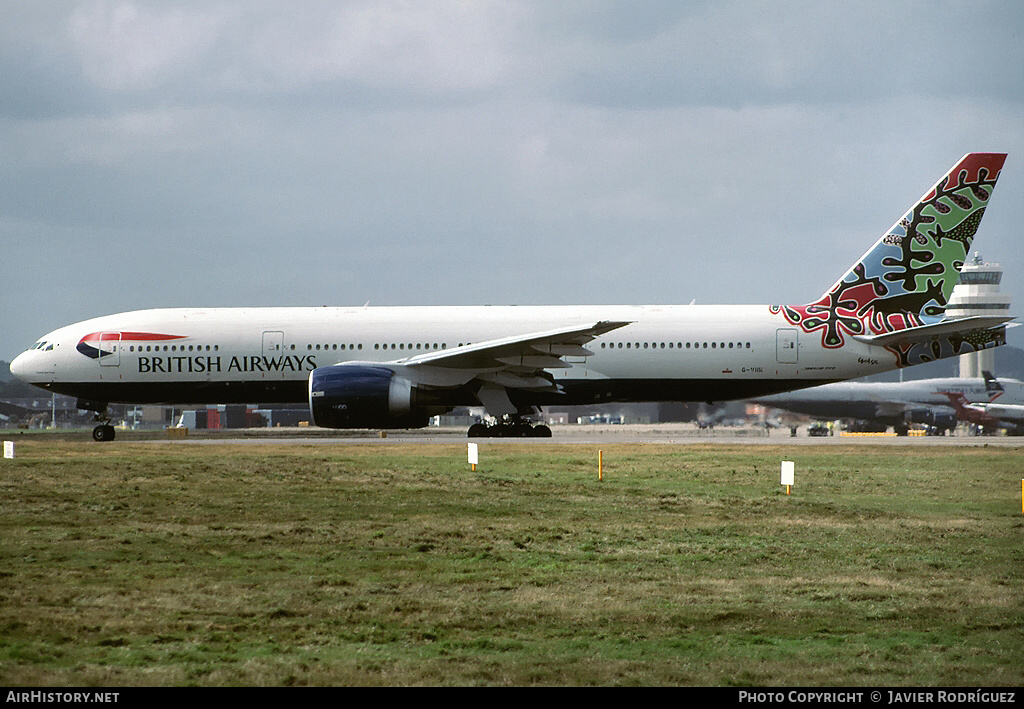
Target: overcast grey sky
(308,153)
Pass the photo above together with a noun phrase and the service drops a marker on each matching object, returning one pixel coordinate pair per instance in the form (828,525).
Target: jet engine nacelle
(944,420)
(932,417)
(918,416)
(363,396)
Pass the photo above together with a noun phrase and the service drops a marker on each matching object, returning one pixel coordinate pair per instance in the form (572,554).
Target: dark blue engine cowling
(362,396)
(944,421)
(933,417)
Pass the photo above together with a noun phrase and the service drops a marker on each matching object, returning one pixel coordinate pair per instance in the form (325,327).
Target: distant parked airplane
(394,367)
(989,416)
(896,404)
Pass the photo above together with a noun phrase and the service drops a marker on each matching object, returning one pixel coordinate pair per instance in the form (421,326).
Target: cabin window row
(174,348)
(332,347)
(676,345)
(423,346)
(441,346)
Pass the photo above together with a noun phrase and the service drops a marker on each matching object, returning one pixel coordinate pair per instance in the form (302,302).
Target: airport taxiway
(680,434)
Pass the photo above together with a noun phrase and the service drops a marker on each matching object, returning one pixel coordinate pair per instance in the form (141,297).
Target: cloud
(256,153)
(125,46)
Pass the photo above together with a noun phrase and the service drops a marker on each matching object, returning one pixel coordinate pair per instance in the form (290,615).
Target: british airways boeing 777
(394,367)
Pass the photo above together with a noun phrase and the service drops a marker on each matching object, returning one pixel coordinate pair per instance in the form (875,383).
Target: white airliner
(394,367)
(897,404)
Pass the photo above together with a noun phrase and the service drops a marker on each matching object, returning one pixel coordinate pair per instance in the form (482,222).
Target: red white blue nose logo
(100,344)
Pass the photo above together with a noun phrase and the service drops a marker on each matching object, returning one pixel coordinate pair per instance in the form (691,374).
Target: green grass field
(140,564)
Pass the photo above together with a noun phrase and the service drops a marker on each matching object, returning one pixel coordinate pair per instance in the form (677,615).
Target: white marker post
(788,469)
(8,449)
(474,455)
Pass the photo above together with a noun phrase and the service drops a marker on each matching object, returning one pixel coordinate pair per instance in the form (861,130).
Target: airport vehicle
(818,429)
(394,367)
(878,405)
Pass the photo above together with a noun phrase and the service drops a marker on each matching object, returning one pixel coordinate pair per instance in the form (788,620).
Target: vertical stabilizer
(906,278)
(992,386)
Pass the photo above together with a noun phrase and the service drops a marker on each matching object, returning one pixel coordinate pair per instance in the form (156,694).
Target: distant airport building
(977,293)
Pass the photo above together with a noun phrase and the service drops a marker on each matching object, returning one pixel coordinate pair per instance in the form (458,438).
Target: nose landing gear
(103,431)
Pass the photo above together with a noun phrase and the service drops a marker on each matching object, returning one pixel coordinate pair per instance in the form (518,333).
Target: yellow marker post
(474,456)
(600,467)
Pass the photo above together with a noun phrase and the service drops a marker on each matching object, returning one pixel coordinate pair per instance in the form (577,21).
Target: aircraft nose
(21,367)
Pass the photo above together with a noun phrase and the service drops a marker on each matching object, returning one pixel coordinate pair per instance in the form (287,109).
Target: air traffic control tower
(977,293)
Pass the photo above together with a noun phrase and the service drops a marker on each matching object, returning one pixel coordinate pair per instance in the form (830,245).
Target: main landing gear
(509,427)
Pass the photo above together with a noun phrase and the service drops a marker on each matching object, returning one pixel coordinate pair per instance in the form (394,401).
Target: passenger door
(786,345)
(110,349)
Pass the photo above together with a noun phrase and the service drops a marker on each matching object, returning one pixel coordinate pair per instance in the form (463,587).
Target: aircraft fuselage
(228,355)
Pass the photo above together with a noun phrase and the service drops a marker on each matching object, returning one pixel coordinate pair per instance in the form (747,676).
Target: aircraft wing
(890,409)
(9,411)
(887,407)
(515,362)
(534,351)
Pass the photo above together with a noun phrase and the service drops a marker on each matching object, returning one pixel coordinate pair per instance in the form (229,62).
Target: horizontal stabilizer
(923,333)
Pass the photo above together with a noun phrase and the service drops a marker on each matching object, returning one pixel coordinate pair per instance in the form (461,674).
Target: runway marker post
(600,467)
(9,451)
(474,455)
(788,469)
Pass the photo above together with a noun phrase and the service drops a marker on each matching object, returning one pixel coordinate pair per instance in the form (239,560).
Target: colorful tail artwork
(906,278)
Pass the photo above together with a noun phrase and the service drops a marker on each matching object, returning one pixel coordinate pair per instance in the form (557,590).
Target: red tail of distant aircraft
(971,413)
